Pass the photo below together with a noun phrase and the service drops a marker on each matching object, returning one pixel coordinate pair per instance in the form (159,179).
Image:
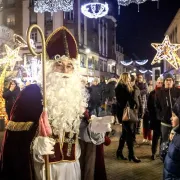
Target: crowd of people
(68,145)
(157,110)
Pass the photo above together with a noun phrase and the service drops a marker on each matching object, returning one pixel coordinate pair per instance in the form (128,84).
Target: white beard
(66,102)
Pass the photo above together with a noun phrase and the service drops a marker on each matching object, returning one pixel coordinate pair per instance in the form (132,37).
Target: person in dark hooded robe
(16,158)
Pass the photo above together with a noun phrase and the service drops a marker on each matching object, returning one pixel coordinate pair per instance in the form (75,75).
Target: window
(83,61)
(101,65)
(47,33)
(90,63)
(10,2)
(96,64)
(34,36)
(10,20)
(113,69)
(105,66)
(93,42)
(69,15)
(48,17)
(33,17)
(94,23)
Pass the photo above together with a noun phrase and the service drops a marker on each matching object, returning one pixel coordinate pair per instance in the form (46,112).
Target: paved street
(125,170)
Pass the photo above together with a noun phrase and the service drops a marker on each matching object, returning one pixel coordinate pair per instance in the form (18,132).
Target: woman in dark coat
(124,95)
(10,96)
(172,160)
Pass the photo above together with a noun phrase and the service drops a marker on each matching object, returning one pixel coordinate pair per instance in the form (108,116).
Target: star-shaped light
(166,51)
(12,56)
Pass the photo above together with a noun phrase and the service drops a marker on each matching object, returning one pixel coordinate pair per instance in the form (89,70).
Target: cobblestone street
(125,170)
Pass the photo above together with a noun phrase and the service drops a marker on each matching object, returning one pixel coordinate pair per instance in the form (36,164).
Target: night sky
(137,30)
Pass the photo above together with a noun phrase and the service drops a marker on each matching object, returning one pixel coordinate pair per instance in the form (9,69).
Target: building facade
(98,52)
(173,32)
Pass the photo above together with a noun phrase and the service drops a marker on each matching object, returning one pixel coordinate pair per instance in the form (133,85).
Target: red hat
(61,42)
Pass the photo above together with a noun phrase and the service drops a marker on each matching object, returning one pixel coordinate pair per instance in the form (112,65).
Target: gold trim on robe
(65,150)
(19,126)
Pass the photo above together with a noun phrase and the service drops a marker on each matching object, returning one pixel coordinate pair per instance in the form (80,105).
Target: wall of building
(173,32)
(99,35)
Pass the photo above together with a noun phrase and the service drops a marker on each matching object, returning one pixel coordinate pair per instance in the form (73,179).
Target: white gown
(60,170)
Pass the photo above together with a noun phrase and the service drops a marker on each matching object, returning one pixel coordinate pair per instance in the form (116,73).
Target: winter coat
(123,96)
(10,98)
(95,96)
(155,124)
(102,86)
(144,92)
(172,160)
(110,89)
(165,100)
(143,88)
(138,100)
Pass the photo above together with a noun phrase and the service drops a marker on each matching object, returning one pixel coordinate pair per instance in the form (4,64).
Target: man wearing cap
(165,100)
(23,149)
(155,124)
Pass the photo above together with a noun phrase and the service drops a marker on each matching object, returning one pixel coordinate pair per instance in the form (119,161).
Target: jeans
(96,111)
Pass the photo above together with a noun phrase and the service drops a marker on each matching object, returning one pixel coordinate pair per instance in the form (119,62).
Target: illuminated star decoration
(166,51)
(12,55)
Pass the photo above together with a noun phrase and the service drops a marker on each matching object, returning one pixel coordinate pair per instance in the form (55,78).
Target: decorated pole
(43,118)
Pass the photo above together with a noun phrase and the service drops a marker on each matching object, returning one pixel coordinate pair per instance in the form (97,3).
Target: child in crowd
(172,159)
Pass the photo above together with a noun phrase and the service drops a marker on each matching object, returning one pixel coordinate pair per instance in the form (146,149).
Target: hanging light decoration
(150,71)
(128,2)
(95,9)
(125,63)
(41,6)
(143,62)
(142,71)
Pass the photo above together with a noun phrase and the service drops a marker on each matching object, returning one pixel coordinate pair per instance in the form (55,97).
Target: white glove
(101,124)
(43,145)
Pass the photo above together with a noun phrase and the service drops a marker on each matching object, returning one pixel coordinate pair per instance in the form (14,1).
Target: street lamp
(87,51)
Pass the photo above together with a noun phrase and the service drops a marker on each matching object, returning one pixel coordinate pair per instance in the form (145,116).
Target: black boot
(153,157)
(134,159)
(120,155)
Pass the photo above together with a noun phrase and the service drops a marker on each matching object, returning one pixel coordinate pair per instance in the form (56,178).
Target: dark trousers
(87,160)
(138,126)
(127,136)
(156,137)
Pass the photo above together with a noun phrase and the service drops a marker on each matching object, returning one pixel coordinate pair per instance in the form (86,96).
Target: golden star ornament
(12,55)
(166,51)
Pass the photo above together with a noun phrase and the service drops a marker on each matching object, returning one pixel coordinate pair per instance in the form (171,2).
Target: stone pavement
(125,170)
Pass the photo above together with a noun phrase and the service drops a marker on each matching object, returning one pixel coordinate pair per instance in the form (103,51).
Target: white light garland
(143,62)
(150,71)
(128,2)
(95,10)
(124,63)
(41,6)
(143,71)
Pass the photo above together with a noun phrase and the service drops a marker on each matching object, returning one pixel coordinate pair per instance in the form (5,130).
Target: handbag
(129,115)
